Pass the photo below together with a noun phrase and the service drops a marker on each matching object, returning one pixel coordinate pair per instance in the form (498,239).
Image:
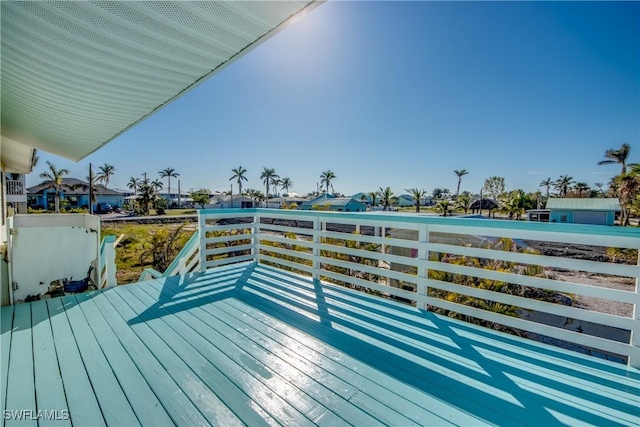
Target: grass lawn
(132,246)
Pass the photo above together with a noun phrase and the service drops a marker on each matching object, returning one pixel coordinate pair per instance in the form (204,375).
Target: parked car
(103,208)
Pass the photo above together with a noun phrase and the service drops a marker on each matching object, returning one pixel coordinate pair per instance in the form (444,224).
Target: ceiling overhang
(75,75)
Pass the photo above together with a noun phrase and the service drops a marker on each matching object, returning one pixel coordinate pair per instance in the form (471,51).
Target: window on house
(563,218)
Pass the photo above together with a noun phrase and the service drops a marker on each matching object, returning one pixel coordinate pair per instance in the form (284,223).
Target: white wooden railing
(16,187)
(107,265)
(406,260)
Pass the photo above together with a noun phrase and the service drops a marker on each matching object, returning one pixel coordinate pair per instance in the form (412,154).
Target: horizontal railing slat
(537,282)
(543,260)
(533,304)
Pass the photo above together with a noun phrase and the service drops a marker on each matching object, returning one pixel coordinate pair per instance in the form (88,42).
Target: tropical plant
(146,195)
(460,174)
(495,186)
(620,156)
(326,178)
(374,198)
(581,187)
(238,175)
(168,173)
(563,184)
(105,172)
(386,197)
(55,176)
(133,184)
(546,183)
(513,204)
(464,202)
(162,247)
(201,197)
(157,185)
(440,193)
(267,176)
(627,189)
(286,184)
(417,195)
(443,206)
(599,185)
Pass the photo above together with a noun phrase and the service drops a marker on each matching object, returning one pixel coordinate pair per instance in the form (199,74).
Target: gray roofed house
(597,211)
(339,204)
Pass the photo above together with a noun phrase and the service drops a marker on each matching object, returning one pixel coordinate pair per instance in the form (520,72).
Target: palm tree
(374,198)
(275,183)
(417,195)
(133,185)
(105,172)
(267,177)
(580,187)
(326,178)
(444,207)
(599,185)
(627,189)
(563,184)
(56,176)
(460,174)
(464,202)
(386,197)
(168,173)
(146,195)
(286,184)
(238,175)
(618,156)
(156,184)
(546,183)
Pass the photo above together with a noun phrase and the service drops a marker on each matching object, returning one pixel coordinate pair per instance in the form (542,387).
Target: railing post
(423,289)
(203,246)
(110,261)
(317,240)
(255,240)
(634,358)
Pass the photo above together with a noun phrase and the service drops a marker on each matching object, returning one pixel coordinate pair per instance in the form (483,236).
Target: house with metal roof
(339,204)
(74,191)
(598,211)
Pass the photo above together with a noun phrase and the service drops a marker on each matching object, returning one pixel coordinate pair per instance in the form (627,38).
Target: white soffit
(75,75)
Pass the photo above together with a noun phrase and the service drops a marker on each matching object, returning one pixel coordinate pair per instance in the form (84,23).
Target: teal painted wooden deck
(252,345)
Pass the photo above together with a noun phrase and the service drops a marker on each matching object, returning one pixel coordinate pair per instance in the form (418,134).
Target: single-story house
(404,200)
(339,204)
(277,202)
(235,201)
(599,211)
(74,191)
(362,198)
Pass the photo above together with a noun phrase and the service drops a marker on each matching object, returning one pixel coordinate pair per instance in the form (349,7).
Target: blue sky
(401,94)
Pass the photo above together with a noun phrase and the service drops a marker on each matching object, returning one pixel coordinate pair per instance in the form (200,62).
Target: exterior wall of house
(568,216)
(403,202)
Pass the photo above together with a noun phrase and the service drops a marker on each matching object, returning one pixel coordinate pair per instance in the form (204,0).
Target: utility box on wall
(46,248)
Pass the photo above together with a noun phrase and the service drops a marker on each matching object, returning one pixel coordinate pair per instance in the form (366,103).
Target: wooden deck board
(6,323)
(48,381)
(253,334)
(81,399)
(323,390)
(247,344)
(142,399)
(235,382)
(201,404)
(21,381)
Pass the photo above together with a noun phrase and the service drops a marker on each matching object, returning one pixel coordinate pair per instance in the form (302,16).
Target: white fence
(482,270)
